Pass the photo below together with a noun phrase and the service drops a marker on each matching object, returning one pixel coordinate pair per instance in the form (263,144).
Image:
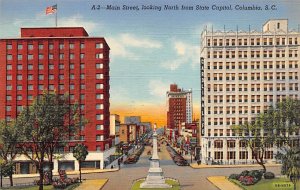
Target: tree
(290,158)
(9,138)
(258,137)
(44,126)
(80,152)
(273,127)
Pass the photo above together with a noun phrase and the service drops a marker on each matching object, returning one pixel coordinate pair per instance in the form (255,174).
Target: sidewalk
(95,184)
(201,166)
(222,183)
(68,173)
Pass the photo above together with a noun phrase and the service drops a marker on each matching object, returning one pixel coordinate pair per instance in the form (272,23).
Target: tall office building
(65,60)
(242,74)
(179,108)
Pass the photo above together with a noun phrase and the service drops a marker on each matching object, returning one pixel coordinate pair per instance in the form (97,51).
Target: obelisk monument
(155,177)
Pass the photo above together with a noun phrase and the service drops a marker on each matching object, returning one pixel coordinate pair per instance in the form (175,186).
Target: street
(189,178)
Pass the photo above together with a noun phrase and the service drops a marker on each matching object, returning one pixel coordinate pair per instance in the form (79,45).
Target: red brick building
(64,59)
(176,108)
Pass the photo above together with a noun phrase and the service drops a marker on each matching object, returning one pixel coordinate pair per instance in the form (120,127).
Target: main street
(189,178)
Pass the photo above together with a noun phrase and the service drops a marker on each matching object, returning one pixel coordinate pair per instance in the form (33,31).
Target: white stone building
(242,74)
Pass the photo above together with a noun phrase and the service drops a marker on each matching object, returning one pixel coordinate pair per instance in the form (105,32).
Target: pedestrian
(119,163)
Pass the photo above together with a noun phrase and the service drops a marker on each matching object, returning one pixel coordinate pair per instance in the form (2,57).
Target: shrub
(244,173)
(247,180)
(234,176)
(256,174)
(269,175)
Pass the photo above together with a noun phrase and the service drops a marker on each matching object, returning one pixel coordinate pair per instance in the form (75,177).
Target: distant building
(115,128)
(179,108)
(132,119)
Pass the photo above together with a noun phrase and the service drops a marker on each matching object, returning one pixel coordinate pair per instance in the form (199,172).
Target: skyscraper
(179,107)
(65,60)
(242,74)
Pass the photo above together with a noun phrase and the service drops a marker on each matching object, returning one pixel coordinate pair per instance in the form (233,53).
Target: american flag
(52,9)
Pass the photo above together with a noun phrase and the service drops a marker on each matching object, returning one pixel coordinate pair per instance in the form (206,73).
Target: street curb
(82,172)
(104,184)
(232,166)
(212,183)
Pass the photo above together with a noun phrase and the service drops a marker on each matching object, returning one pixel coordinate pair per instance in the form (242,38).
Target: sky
(150,49)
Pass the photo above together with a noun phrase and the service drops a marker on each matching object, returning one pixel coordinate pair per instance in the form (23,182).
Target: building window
(41,46)
(82,56)
(82,66)
(72,86)
(51,87)
(30,87)
(82,96)
(98,148)
(8,98)
(71,46)
(19,67)
(19,77)
(20,57)
(8,108)
(82,86)
(99,127)
(99,45)
(19,108)
(50,56)
(30,67)
(72,56)
(20,46)
(99,117)
(41,87)
(81,45)
(82,137)
(61,46)
(9,57)
(30,77)
(61,87)
(61,77)
(41,67)
(72,96)
(30,57)
(50,46)
(81,76)
(99,106)
(278,25)
(51,77)
(51,67)
(9,77)
(72,76)
(99,76)
(19,87)
(99,66)
(9,87)
(8,46)
(72,66)
(99,86)
(41,77)
(41,56)
(19,97)
(99,55)
(99,137)
(61,56)
(99,96)
(61,66)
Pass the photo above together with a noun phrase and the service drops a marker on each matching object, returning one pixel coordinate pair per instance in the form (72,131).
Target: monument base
(155,179)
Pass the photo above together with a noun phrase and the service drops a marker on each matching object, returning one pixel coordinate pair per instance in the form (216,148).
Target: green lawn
(47,187)
(267,184)
(175,185)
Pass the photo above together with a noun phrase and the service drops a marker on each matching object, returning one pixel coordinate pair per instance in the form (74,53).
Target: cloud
(132,41)
(125,45)
(158,88)
(185,54)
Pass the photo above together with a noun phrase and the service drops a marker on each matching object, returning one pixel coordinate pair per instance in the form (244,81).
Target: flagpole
(56,16)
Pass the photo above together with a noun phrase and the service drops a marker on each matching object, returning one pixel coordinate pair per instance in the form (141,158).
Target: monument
(155,177)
